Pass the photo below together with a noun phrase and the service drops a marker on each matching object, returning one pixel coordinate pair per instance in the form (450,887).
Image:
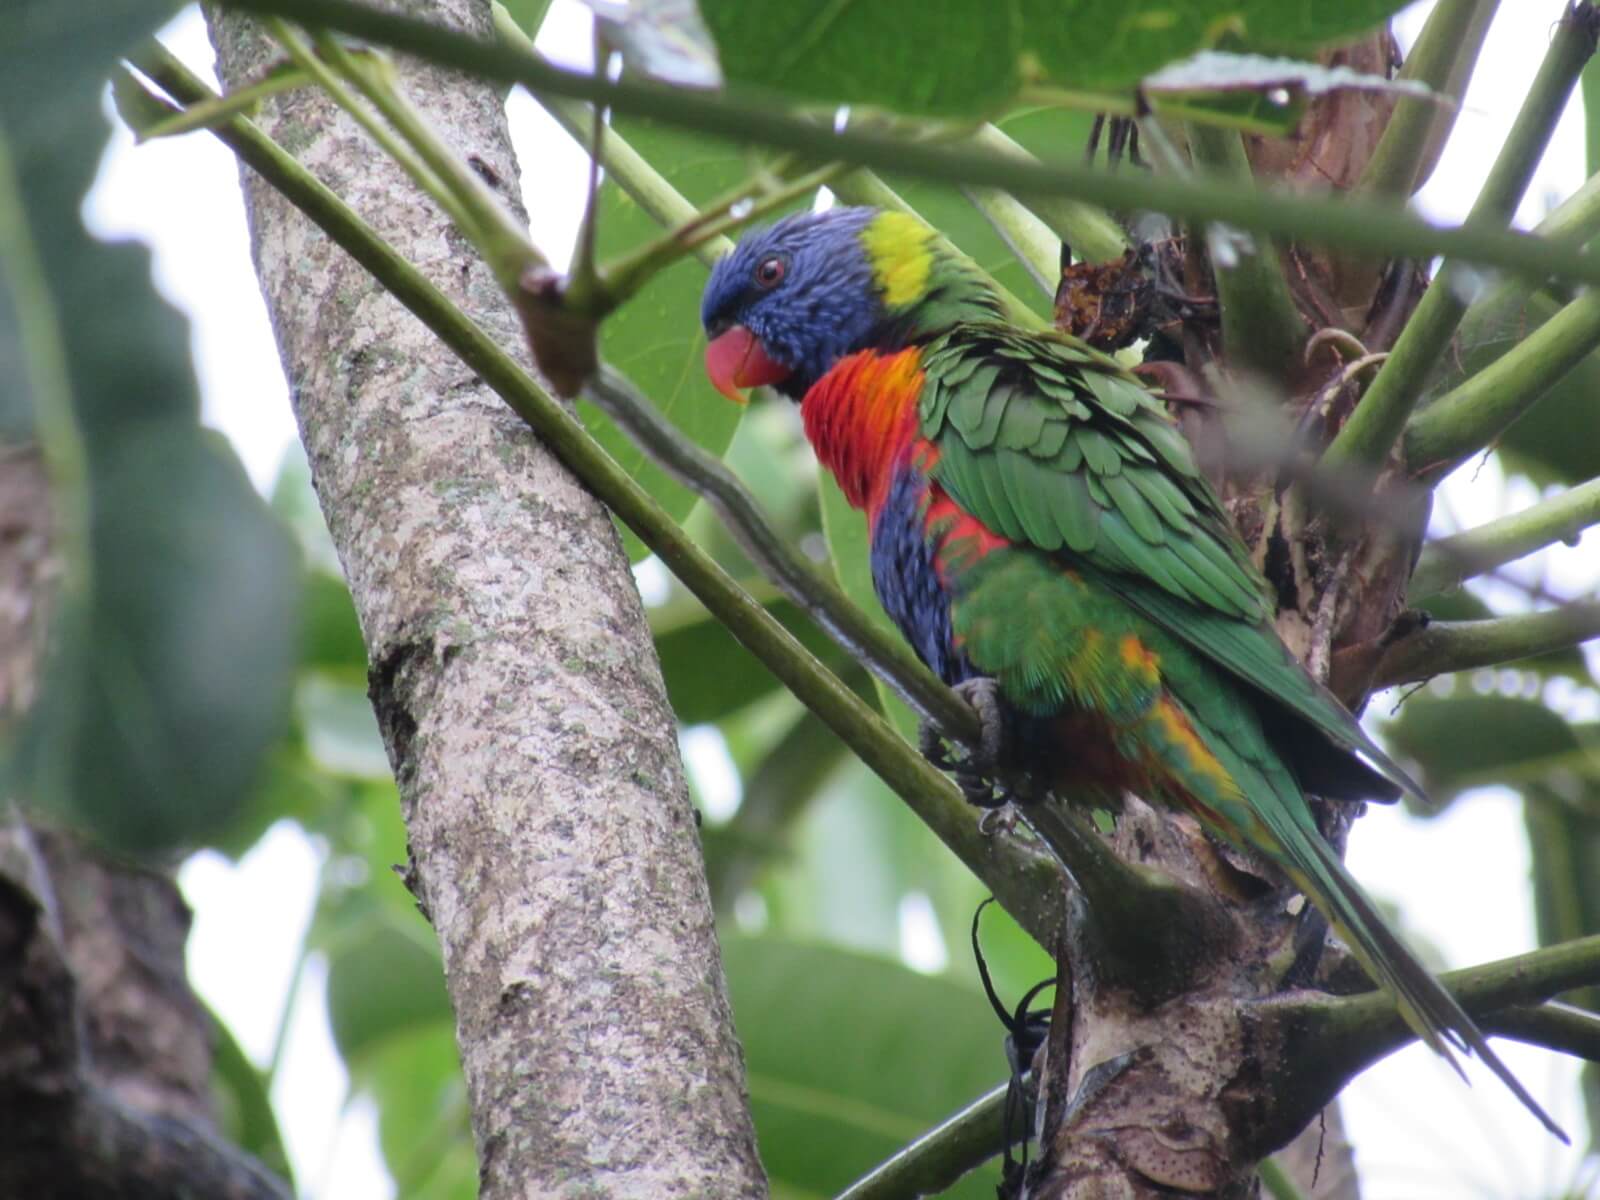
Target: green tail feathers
(1427,1006)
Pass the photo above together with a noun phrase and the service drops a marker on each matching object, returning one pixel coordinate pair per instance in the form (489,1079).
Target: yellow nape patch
(1136,656)
(902,259)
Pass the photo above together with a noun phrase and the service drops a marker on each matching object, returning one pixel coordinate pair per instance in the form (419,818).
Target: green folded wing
(1050,446)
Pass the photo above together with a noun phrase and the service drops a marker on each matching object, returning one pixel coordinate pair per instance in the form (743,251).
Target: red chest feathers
(861,417)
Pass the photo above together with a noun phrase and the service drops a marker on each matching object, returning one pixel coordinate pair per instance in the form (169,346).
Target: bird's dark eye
(769,272)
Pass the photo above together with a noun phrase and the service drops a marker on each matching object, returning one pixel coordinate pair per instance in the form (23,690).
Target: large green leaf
(952,57)
(174,641)
(850,1057)
(655,338)
(1444,736)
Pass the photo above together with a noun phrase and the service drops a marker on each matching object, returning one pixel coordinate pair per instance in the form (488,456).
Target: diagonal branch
(938,1158)
(1448,562)
(1445,646)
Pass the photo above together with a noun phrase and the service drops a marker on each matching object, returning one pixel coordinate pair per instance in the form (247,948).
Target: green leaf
(655,339)
(837,1050)
(1444,736)
(384,976)
(341,732)
(950,57)
(174,640)
(415,1079)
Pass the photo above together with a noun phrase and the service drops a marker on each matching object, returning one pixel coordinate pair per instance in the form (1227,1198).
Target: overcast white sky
(1462,879)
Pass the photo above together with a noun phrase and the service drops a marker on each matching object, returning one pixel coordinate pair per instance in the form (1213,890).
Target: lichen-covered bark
(552,841)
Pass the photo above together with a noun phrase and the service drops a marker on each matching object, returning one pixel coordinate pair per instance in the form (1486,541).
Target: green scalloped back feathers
(1053,446)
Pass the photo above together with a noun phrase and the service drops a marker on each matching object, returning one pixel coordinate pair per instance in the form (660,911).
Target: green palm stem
(1091,232)
(1342,224)
(1372,430)
(936,1160)
(1463,421)
(1028,238)
(1445,646)
(1261,327)
(1448,562)
(1443,58)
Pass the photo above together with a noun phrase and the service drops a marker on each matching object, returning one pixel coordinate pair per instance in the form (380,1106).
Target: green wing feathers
(1051,445)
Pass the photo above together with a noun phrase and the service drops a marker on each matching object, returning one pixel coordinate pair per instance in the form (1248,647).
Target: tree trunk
(552,842)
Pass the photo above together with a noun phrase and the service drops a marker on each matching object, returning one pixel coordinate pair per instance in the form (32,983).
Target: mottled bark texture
(105,1054)
(552,842)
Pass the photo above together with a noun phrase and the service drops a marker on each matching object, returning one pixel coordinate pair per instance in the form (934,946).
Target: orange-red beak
(736,360)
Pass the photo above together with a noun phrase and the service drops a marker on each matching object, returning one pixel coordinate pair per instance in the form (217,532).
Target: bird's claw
(974,771)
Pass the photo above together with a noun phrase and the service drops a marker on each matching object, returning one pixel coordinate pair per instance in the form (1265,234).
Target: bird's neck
(861,419)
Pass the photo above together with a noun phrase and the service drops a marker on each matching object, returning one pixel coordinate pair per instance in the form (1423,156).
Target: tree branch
(1368,228)
(1445,646)
(937,1159)
(104,1051)
(1371,432)
(1443,58)
(1564,1028)
(1447,562)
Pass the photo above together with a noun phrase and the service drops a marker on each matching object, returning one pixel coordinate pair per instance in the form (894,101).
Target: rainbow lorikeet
(1037,520)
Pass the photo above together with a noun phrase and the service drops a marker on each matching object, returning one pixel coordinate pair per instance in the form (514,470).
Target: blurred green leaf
(836,1046)
(341,732)
(384,977)
(950,58)
(169,675)
(415,1079)
(1444,735)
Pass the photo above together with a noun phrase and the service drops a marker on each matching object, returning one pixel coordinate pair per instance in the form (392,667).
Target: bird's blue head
(791,300)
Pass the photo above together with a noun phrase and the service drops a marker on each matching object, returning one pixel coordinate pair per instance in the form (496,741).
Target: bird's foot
(975,770)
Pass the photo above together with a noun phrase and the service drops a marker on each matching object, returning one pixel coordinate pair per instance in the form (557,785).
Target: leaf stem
(1093,233)
(1446,646)
(1372,430)
(1447,562)
(938,1158)
(1445,53)
(1261,326)
(1341,223)
(1028,238)
(1465,420)
(622,278)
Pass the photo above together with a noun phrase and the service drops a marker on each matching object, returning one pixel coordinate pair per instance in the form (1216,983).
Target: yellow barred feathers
(900,249)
